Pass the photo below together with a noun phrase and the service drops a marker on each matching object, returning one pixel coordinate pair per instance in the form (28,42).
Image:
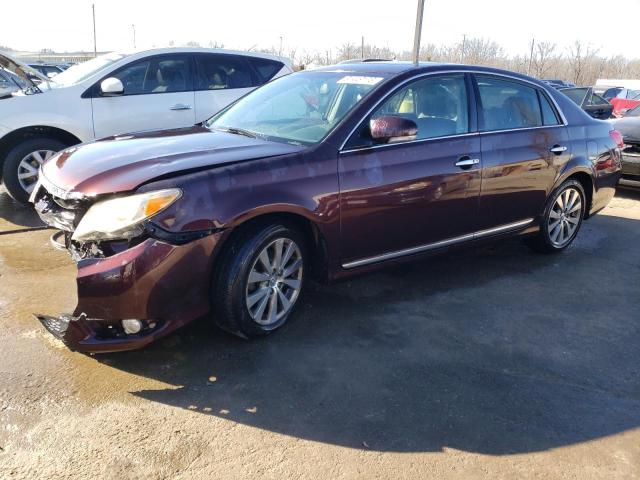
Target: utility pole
(418,32)
(533,42)
(362,48)
(280,53)
(464,43)
(134,35)
(95,48)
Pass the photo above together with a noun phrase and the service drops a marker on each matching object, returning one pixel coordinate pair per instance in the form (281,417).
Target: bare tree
(481,51)
(580,56)
(348,51)
(542,60)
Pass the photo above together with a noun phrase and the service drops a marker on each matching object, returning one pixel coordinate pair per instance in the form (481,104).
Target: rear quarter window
(265,69)
(549,115)
(221,72)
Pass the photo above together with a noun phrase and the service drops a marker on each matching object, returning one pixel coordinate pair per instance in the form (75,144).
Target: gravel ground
(492,362)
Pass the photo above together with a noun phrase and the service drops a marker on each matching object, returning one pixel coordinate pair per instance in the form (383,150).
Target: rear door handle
(467,162)
(181,106)
(558,149)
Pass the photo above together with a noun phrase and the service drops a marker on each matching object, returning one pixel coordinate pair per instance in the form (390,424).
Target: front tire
(561,219)
(259,280)
(22,164)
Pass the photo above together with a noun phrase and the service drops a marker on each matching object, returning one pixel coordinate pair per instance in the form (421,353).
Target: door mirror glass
(111,86)
(391,128)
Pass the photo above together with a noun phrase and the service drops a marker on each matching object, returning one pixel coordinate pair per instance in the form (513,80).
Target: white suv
(120,93)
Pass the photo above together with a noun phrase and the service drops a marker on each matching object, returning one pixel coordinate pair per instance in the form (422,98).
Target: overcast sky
(317,25)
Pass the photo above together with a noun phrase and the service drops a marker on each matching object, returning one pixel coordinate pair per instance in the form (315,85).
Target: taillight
(616,136)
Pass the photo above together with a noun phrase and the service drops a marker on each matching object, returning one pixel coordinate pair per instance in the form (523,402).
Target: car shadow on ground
(16,215)
(493,350)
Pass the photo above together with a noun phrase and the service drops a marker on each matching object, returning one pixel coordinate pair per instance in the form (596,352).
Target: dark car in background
(320,174)
(49,70)
(558,84)
(590,102)
(629,127)
(620,92)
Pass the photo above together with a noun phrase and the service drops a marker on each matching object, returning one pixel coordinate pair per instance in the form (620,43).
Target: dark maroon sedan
(320,174)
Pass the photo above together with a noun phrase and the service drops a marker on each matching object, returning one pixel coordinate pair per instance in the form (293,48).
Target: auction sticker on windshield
(354,80)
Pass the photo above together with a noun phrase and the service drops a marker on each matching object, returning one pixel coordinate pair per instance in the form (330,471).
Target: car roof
(389,67)
(155,51)
(393,68)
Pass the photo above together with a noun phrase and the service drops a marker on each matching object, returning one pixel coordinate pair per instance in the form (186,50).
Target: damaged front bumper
(159,280)
(164,286)
(94,336)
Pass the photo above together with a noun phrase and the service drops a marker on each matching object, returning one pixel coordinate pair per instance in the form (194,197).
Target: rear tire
(259,279)
(21,165)
(561,219)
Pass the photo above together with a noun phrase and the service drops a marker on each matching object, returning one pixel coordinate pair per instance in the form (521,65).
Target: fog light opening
(131,326)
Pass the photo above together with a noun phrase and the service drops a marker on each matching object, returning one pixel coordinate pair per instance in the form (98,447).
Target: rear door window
(220,72)
(507,105)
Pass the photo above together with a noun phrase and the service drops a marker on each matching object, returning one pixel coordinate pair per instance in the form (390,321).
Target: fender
(225,197)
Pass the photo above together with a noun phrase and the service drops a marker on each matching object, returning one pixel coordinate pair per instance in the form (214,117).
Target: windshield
(82,71)
(576,94)
(12,80)
(301,108)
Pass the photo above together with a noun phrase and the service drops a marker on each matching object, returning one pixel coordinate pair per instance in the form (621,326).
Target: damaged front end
(136,282)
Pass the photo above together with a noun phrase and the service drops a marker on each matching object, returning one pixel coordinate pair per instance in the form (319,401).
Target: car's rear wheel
(561,219)
(259,280)
(22,165)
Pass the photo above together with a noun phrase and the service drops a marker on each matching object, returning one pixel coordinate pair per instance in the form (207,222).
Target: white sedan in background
(120,93)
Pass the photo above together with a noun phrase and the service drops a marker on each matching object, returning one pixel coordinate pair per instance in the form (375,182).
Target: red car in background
(622,99)
(622,105)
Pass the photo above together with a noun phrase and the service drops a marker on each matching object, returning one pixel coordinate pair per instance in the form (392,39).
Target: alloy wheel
(274,282)
(29,167)
(564,217)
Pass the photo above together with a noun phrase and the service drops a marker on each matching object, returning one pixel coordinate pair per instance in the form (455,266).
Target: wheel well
(315,239)
(587,186)
(12,139)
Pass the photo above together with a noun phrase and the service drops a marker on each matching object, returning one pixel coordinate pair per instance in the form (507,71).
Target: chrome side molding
(441,244)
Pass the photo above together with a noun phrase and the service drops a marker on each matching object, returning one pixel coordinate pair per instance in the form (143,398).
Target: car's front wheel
(259,280)
(22,165)
(561,219)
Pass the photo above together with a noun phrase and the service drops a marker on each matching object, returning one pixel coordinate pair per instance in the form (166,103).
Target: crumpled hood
(629,127)
(123,162)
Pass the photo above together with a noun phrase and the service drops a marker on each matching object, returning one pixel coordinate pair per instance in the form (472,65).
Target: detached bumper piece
(98,336)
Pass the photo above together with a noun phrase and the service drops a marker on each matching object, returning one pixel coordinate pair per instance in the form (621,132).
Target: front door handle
(558,149)
(467,162)
(181,106)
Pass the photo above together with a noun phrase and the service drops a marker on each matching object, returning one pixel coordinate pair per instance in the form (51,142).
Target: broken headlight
(122,217)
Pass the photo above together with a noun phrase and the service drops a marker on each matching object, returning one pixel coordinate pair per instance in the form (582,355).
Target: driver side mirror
(111,87)
(391,129)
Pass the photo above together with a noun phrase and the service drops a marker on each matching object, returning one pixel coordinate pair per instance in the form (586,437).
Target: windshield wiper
(238,131)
